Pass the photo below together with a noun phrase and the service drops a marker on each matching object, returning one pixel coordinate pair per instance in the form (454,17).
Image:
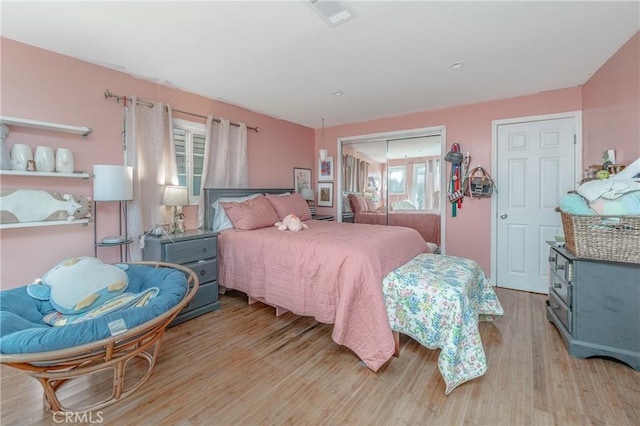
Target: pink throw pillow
(358,203)
(285,205)
(255,213)
(370,206)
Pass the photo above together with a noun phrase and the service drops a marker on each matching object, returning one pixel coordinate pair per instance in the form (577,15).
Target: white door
(535,167)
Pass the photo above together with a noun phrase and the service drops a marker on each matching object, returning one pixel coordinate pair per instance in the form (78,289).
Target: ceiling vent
(334,12)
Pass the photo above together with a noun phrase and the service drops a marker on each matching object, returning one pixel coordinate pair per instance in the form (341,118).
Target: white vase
(45,161)
(20,155)
(64,160)
(5,156)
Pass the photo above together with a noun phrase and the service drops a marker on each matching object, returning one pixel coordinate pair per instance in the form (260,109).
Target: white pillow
(346,204)
(220,220)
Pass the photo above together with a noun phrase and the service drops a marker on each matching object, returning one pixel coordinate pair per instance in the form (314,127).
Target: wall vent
(332,11)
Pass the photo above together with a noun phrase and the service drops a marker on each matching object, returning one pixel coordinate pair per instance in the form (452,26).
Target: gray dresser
(197,250)
(596,306)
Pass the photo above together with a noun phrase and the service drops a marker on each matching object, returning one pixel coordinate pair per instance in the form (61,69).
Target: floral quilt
(438,300)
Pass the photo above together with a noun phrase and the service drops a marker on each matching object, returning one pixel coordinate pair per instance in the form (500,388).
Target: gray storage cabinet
(197,250)
(596,306)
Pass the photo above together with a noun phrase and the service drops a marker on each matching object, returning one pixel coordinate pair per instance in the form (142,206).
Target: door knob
(503,216)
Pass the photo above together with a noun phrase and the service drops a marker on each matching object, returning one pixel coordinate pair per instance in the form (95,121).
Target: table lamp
(113,183)
(176,196)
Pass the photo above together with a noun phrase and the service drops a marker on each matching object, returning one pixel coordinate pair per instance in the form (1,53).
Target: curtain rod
(108,94)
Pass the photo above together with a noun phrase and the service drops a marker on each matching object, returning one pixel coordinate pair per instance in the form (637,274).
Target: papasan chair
(57,355)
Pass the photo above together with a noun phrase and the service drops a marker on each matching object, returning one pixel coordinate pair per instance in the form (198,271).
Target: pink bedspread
(331,271)
(427,223)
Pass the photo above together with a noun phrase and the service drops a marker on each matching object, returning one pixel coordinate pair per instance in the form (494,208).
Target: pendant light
(323,152)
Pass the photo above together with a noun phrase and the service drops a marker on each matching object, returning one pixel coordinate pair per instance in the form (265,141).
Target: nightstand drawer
(190,251)
(207,293)
(561,265)
(206,270)
(560,287)
(560,309)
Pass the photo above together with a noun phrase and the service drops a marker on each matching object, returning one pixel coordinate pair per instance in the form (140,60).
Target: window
(425,188)
(426,184)
(396,180)
(189,139)
(418,185)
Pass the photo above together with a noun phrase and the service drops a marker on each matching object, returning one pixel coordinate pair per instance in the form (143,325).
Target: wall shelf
(83,175)
(44,223)
(43,125)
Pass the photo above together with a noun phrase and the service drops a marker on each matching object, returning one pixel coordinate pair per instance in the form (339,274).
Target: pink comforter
(427,223)
(331,271)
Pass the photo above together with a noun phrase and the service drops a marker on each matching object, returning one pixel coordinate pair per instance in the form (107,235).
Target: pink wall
(46,86)
(611,107)
(470,125)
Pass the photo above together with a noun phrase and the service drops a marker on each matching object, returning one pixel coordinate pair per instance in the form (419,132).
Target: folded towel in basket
(609,189)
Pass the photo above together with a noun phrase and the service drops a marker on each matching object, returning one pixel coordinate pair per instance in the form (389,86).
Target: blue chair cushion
(23,330)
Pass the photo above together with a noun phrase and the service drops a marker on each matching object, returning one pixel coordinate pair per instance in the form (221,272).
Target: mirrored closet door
(394,181)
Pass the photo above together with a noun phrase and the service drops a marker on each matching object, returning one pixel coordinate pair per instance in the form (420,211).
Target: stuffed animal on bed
(292,223)
(79,284)
(32,205)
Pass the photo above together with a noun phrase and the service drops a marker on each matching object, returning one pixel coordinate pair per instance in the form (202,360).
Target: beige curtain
(363,175)
(355,173)
(150,150)
(225,159)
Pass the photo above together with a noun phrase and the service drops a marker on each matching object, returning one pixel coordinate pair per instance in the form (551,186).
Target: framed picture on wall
(301,179)
(325,194)
(325,169)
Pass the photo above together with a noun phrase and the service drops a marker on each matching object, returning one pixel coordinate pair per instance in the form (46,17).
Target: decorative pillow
(80,284)
(370,206)
(118,303)
(358,204)
(625,205)
(575,204)
(251,214)
(346,204)
(290,204)
(220,220)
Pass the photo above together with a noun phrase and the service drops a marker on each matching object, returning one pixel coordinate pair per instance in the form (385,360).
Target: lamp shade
(175,196)
(307,193)
(112,183)
(323,154)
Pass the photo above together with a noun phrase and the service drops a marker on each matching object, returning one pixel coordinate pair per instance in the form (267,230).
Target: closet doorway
(394,178)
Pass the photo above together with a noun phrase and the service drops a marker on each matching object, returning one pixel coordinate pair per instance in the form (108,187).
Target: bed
(334,272)
(426,222)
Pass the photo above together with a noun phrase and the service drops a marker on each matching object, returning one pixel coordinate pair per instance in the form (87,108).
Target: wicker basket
(610,238)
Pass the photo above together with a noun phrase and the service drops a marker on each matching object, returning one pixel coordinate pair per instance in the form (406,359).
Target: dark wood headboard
(213,194)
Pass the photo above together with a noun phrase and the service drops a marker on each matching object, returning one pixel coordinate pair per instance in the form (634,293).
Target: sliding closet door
(364,174)
(413,174)
(399,177)
(413,189)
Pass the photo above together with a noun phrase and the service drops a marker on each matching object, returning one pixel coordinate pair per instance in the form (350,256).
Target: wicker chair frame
(55,368)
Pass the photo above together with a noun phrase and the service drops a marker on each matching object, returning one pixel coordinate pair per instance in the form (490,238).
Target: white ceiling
(280,58)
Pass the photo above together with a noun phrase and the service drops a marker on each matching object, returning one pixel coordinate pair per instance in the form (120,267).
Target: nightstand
(197,250)
(594,306)
(328,218)
(348,217)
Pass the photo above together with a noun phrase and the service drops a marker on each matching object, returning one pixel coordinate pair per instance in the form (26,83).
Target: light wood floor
(243,366)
